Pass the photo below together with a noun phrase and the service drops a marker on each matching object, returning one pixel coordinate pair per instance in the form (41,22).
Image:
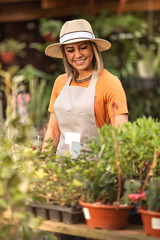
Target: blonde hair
(97,61)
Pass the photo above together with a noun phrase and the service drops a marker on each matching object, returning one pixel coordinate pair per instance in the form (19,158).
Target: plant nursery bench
(131,232)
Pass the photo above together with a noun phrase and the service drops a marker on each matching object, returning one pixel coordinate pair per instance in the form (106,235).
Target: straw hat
(76,31)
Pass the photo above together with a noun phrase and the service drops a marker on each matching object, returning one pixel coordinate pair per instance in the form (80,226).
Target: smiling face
(80,55)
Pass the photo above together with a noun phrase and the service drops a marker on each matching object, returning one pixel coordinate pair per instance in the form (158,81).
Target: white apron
(74,111)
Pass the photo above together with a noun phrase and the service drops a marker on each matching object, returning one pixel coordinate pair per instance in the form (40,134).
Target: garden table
(131,232)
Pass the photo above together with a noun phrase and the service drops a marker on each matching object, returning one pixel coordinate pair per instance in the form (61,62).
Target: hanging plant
(9,48)
(49,29)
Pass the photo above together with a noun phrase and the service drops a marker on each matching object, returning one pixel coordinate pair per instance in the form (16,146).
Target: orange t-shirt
(108,90)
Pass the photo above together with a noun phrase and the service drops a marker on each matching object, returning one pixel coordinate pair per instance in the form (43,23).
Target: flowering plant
(149,194)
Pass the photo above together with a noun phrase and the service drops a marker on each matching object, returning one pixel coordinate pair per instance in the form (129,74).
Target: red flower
(136,196)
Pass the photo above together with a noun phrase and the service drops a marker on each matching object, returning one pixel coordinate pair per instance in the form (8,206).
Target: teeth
(79,61)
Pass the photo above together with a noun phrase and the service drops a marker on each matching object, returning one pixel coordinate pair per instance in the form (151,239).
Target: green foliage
(153,195)
(50,26)
(14,191)
(16,169)
(137,143)
(30,71)
(92,175)
(39,86)
(33,81)
(140,141)
(102,187)
(121,31)
(39,46)
(130,186)
(64,180)
(108,23)
(12,45)
(54,178)
(15,173)
(38,103)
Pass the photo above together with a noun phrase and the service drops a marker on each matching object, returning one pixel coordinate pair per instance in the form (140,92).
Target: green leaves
(12,45)
(137,143)
(140,141)
(153,195)
(37,105)
(55,178)
(50,26)
(130,186)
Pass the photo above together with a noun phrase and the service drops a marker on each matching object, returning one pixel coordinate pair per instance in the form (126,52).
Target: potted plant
(149,63)
(149,196)
(49,29)
(102,200)
(9,48)
(102,187)
(117,164)
(151,215)
(138,142)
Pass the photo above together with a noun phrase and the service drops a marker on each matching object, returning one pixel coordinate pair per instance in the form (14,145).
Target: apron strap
(92,83)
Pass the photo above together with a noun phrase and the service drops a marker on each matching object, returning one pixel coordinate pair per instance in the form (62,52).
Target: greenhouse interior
(79,119)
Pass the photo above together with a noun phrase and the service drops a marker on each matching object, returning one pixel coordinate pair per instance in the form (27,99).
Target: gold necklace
(82,80)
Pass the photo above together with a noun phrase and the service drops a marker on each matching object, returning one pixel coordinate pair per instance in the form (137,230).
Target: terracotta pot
(151,222)
(107,217)
(48,38)
(7,57)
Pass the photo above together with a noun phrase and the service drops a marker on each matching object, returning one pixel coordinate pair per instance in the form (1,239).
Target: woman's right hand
(52,132)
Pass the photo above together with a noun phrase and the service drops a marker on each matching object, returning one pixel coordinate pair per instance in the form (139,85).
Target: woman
(83,97)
